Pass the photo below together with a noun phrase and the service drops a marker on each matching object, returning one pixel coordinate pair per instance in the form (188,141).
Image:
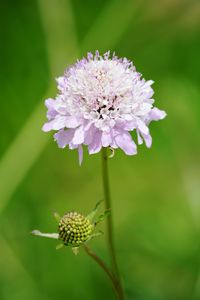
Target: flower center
(102,90)
(74,229)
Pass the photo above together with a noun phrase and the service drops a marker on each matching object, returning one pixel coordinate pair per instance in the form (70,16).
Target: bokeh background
(156,194)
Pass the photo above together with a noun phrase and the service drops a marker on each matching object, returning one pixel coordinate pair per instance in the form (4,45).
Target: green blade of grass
(30,142)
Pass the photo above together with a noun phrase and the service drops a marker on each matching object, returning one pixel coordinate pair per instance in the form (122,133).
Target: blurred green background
(156,194)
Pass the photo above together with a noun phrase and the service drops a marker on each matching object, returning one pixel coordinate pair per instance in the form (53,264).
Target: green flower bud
(74,229)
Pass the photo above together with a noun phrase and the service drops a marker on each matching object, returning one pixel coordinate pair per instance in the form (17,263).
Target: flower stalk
(104,267)
(110,236)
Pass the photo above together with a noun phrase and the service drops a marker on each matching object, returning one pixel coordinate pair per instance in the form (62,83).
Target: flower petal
(71,122)
(56,124)
(140,140)
(106,139)
(157,114)
(148,140)
(78,136)
(47,126)
(96,145)
(64,137)
(89,134)
(50,104)
(125,142)
(80,154)
(61,83)
(142,127)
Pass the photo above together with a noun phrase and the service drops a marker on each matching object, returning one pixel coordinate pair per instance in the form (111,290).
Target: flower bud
(74,229)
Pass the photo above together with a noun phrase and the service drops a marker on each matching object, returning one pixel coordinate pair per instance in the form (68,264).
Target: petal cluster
(100,100)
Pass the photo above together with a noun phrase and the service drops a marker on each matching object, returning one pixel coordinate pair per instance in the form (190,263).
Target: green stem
(103,266)
(110,223)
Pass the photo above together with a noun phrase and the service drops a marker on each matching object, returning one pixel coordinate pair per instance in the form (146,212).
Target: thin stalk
(104,267)
(110,239)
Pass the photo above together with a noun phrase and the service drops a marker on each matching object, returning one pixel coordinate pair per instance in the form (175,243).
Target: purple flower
(101,99)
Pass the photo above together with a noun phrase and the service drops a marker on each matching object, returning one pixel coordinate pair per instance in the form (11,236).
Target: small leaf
(47,235)
(98,233)
(59,246)
(56,216)
(91,216)
(102,216)
(94,235)
(75,250)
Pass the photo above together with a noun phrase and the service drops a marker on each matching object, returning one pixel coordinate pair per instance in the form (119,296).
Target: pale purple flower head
(100,100)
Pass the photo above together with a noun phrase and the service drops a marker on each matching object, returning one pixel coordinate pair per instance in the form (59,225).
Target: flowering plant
(101,100)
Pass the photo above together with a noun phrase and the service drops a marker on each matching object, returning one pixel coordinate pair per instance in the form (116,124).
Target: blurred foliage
(156,205)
